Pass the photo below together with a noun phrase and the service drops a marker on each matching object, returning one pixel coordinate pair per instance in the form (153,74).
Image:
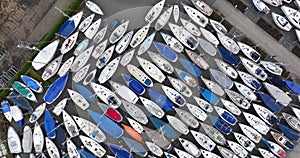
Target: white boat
(228,43)
(197,59)
(297,34)
(177,124)
(135,125)
(124,42)
(127,57)
(282,140)
(154,12)
(93,29)
(99,49)
(249,52)
(90,129)
(208,154)
(52,68)
(261,7)
(38,138)
(86,23)
(203,140)
(230,106)
(196,16)
(139,75)
(282,97)
(89,77)
(190,147)
(70,125)
(17,114)
(202,7)
(139,36)
(293,121)
(155,149)
(265,114)
(37,113)
(187,118)
(254,69)
(226,152)
(190,27)
(105,57)
(207,47)
(163,19)
(180,86)
(161,62)
(209,36)
(249,80)
(296,111)
(60,106)
(226,115)
(93,7)
(173,95)
(297,3)
(51,148)
(281,22)
(251,133)
(109,70)
(118,32)
(218,27)
(65,67)
(244,141)
(99,36)
(172,42)
(272,67)
(69,43)
(237,149)
(265,153)
(152,107)
(213,86)
(182,153)
(176,13)
(146,44)
(275,3)
(71,149)
(256,123)
(107,96)
(238,99)
(81,59)
(13,141)
(197,112)
(45,55)
(292,14)
(124,92)
(203,104)
(151,70)
(81,73)
(135,112)
(27,139)
(186,78)
(92,146)
(245,91)
(221,78)
(78,99)
(214,134)
(226,68)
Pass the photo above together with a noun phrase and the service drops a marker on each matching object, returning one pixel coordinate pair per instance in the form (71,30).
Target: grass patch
(38,77)
(269,29)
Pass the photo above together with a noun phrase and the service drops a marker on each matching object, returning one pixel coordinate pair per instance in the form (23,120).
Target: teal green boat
(24,91)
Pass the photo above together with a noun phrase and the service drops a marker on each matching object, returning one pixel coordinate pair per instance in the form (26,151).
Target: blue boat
(192,68)
(160,99)
(56,89)
(269,101)
(120,152)
(70,25)
(220,124)
(229,57)
(49,125)
(85,92)
(276,80)
(20,101)
(209,96)
(60,138)
(292,86)
(106,124)
(226,115)
(32,84)
(135,146)
(5,106)
(133,84)
(165,128)
(85,154)
(288,132)
(166,52)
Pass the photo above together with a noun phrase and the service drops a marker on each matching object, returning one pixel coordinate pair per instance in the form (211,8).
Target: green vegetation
(274,32)
(38,77)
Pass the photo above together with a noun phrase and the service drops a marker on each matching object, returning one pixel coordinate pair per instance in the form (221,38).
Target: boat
(237,149)
(297,34)
(209,36)
(203,140)
(272,67)
(60,106)
(109,70)
(281,22)
(297,3)
(182,153)
(197,59)
(196,112)
(163,19)
(84,153)
(99,49)
(296,111)
(174,96)
(99,36)
(133,84)
(169,155)
(196,16)
(70,125)
(45,55)
(275,148)
(249,52)
(161,62)
(265,114)
(49,125)
(38,138)
(220,125)
(260,7)
(92,6)
(106,95)
(70,25)
(139,36)
(226,68)
(65,67)
(207,47)
(92,146)
(120,151)
(78,99)
(276,80)
(204,104)
(245,91)
(176,12)
(71,149)
(154,11)
(256,123)
(269,102)
(135,125)
(85,92)
(37,113)
(292,121)
(32,83)
(61,138)
(160,99)
(218,27)
(186,78)
(214,134)
(152,107)
(228,43)
(282,140)
(69,43)
(17,115)
(190,147)
(221,78)
(226,115)
(135,112)
(172,42)
(230,106)
(249,80)
(81,47)
(86,23)
(135,146)
(112,113)
(202,7)
(224,152)
(157,138)
(163,127)
(190,27)
(13,141)
(52,68)
(190,67)
(275,3)
(251,133)
(5,108)
(265,153)
(19,101)
(187,118)
(185,37)
(151,70)
(27,139)
(124,92)
(118,32)
(81,59)
(288,132)
(209,96)
(254,69)
(292,15)
(139,75)
(124,42)
(278,94)
(132,132)
(229,57)
(213,86)
(208,154)
(104,57)
(146,44)
(292,86)
(180,86)
(166,51)
(127,57)
(51,148)
(81,73)
(106,124)
(244,141)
